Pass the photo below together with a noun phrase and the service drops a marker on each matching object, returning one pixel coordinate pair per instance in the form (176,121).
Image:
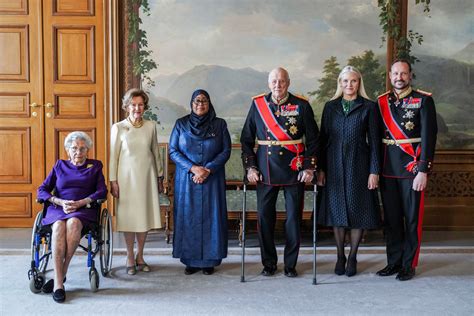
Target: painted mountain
(451,83)
(466,54)
(449,79)
(231,92)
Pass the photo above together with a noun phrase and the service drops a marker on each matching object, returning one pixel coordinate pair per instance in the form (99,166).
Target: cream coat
(135,163)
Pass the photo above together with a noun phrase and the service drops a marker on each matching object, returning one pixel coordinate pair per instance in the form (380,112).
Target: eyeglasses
(138,105)
(78,149)
(201,101)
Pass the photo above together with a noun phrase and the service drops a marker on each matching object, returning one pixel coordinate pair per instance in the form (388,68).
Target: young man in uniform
(409,139)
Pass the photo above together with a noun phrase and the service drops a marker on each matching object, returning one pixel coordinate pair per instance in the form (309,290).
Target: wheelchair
(99,241)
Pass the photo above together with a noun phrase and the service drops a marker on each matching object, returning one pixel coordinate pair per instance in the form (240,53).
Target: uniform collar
(282,100)
(404,93)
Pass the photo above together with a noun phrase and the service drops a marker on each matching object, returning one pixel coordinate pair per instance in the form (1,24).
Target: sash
(397,133)
(278,133)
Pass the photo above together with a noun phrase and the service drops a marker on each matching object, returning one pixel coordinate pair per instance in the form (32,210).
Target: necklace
(136,124)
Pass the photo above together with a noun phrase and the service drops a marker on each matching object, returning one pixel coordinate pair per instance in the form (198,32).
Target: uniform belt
(401,141)
(279,142)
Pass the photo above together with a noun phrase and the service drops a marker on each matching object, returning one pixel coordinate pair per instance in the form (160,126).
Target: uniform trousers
(266,204)
(403,220)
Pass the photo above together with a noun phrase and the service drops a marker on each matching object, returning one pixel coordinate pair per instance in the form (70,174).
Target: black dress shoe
(340,267)
(191,270)
(291,272)
(390,269)
(59,295)
(406,274)
(48,287)
(269,270)
(351,268)
(208,271)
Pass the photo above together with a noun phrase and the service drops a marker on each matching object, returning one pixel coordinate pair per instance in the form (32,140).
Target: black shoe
(208,271)
(351,268)
(190,270)
(59,295)
(48,287)
(340,267)
(390,269)
(269,270)
(291,272)
(406,274)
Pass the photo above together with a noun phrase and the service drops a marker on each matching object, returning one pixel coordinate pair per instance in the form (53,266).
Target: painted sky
(446,29)
(298,34)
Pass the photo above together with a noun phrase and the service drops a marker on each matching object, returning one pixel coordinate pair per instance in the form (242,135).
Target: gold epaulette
(386,92)
(424,92)
(258,96)
(301,97)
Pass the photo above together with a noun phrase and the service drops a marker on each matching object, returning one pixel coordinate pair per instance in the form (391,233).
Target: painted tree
(327,84)
(372,72)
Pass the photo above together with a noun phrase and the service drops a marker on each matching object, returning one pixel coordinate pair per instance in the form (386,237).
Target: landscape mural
(228,47)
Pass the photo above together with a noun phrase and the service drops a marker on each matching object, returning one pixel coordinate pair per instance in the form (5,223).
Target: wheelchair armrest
(100,201)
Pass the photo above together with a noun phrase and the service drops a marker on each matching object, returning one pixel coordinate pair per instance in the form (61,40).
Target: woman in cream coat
(136,177)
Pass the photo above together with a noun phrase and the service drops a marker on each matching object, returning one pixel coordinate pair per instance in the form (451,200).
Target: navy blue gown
(200,210)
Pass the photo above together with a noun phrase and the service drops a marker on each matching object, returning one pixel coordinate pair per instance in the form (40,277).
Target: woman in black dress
(349,166)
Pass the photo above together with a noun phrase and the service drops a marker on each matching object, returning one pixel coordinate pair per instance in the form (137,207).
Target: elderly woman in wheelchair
(71,193)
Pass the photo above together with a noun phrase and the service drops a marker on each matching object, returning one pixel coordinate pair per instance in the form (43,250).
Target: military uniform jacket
(277,164)
(409,115)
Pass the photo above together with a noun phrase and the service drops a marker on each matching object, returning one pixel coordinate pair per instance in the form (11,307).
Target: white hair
(73,136)
(276,70)
(345,70)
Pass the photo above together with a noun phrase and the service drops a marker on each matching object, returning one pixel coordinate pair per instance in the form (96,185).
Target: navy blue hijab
(201,126)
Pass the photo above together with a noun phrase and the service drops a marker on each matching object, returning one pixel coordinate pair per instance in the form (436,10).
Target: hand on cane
(306,176)
(253,175)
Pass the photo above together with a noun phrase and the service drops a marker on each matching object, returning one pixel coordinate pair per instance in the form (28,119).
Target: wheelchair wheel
(106,243)
(36,283)
(94,279)
(43,248)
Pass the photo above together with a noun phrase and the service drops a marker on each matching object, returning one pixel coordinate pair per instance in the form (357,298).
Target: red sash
(277,131)
(397,133)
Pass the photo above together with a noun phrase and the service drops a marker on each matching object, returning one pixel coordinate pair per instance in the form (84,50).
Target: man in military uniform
(409,140)
(277,122)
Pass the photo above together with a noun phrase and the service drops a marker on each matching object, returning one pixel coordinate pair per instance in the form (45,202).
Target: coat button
(281,153)
(269,153)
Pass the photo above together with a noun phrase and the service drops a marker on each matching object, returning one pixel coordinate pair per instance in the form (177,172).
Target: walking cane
(244,208)
(315,195)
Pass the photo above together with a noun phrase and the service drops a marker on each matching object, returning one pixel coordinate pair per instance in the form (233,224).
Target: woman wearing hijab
(350,166)
(200,146)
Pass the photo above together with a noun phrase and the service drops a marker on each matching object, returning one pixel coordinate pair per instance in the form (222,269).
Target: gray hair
(354,70)
(73,136)
(132,93)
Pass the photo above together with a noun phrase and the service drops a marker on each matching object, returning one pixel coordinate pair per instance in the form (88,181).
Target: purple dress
(73,183)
